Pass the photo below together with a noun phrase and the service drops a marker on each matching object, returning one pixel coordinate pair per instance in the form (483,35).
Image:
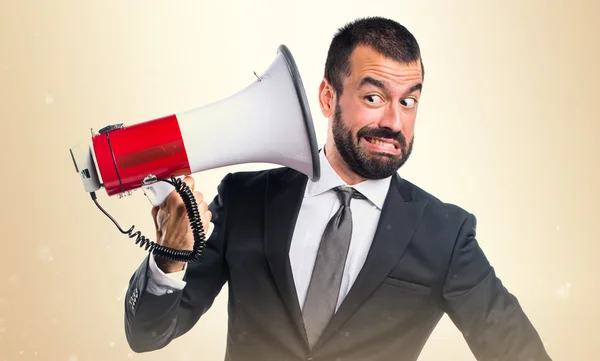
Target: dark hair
(385,36)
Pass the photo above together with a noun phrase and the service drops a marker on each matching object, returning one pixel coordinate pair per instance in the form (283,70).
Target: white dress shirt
(319,204)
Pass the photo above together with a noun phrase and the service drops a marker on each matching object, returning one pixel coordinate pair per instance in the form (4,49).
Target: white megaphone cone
(267,122)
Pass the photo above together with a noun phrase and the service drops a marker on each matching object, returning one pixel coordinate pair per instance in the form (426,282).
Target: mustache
(382,133)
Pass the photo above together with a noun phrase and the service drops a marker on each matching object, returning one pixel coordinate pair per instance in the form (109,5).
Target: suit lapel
(399,218)
(283,199)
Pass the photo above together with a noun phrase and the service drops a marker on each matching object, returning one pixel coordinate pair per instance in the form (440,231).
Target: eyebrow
(415,87)
(372,81)
(380,84)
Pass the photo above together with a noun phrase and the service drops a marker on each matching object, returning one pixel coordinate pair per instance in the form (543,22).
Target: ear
(326,98)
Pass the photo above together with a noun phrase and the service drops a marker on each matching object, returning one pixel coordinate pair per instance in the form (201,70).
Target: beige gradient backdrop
(507,129)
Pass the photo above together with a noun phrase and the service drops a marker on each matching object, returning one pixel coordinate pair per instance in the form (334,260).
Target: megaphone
(269,121)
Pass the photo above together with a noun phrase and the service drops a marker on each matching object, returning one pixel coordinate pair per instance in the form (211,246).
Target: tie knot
(346,193)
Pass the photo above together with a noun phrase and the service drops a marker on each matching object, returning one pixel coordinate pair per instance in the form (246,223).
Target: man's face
(372,124)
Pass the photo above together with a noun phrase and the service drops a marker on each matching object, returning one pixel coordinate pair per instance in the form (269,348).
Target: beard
(362,161)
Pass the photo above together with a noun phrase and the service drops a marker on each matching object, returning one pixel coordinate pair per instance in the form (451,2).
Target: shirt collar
(374,189)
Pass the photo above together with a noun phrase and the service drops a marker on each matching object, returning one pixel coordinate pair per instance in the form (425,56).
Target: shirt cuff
(160,283)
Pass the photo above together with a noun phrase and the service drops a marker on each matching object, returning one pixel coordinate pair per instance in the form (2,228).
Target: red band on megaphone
(127,155)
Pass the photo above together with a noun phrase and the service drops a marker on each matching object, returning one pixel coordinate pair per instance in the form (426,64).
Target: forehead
(364,61)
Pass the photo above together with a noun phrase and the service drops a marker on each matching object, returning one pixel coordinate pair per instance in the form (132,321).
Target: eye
(373,99)
(409,102)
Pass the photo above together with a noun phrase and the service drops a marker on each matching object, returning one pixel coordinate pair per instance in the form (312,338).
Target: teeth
(379,142)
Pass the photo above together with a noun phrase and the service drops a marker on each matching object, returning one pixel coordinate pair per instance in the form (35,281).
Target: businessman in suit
(360,265)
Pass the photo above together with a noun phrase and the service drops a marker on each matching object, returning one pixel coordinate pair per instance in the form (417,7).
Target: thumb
(189,180)
(154,214)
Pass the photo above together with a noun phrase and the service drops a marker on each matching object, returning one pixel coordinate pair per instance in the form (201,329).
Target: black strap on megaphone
(193,214)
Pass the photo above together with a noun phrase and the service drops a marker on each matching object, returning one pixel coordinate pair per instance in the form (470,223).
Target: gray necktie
(323,291)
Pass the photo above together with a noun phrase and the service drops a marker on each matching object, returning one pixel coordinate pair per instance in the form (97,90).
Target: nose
(392,118)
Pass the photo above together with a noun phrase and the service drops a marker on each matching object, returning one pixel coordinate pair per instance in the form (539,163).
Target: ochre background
(507,129)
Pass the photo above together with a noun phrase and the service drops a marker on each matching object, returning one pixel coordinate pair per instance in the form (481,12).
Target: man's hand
(173,228)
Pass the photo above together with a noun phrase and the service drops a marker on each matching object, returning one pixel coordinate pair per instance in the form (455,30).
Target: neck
(340,167)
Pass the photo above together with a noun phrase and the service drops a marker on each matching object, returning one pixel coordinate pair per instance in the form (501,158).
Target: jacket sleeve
(490,318)
(153,321)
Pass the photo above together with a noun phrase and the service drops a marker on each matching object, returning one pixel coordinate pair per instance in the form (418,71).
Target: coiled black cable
(193,215)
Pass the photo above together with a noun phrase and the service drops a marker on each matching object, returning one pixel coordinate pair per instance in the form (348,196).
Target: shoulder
(436,210)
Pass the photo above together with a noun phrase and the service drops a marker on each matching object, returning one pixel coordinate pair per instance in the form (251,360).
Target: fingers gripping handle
(159,191)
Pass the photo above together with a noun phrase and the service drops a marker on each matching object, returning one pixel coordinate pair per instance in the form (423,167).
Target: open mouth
(380,144)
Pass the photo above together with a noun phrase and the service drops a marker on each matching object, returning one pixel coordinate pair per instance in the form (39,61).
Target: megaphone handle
(193,214)
(191,207)
(157,192)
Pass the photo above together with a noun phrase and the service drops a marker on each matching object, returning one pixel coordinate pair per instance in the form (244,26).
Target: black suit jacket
(424,261)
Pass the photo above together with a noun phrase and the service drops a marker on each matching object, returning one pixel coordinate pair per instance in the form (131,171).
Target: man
(371,288)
